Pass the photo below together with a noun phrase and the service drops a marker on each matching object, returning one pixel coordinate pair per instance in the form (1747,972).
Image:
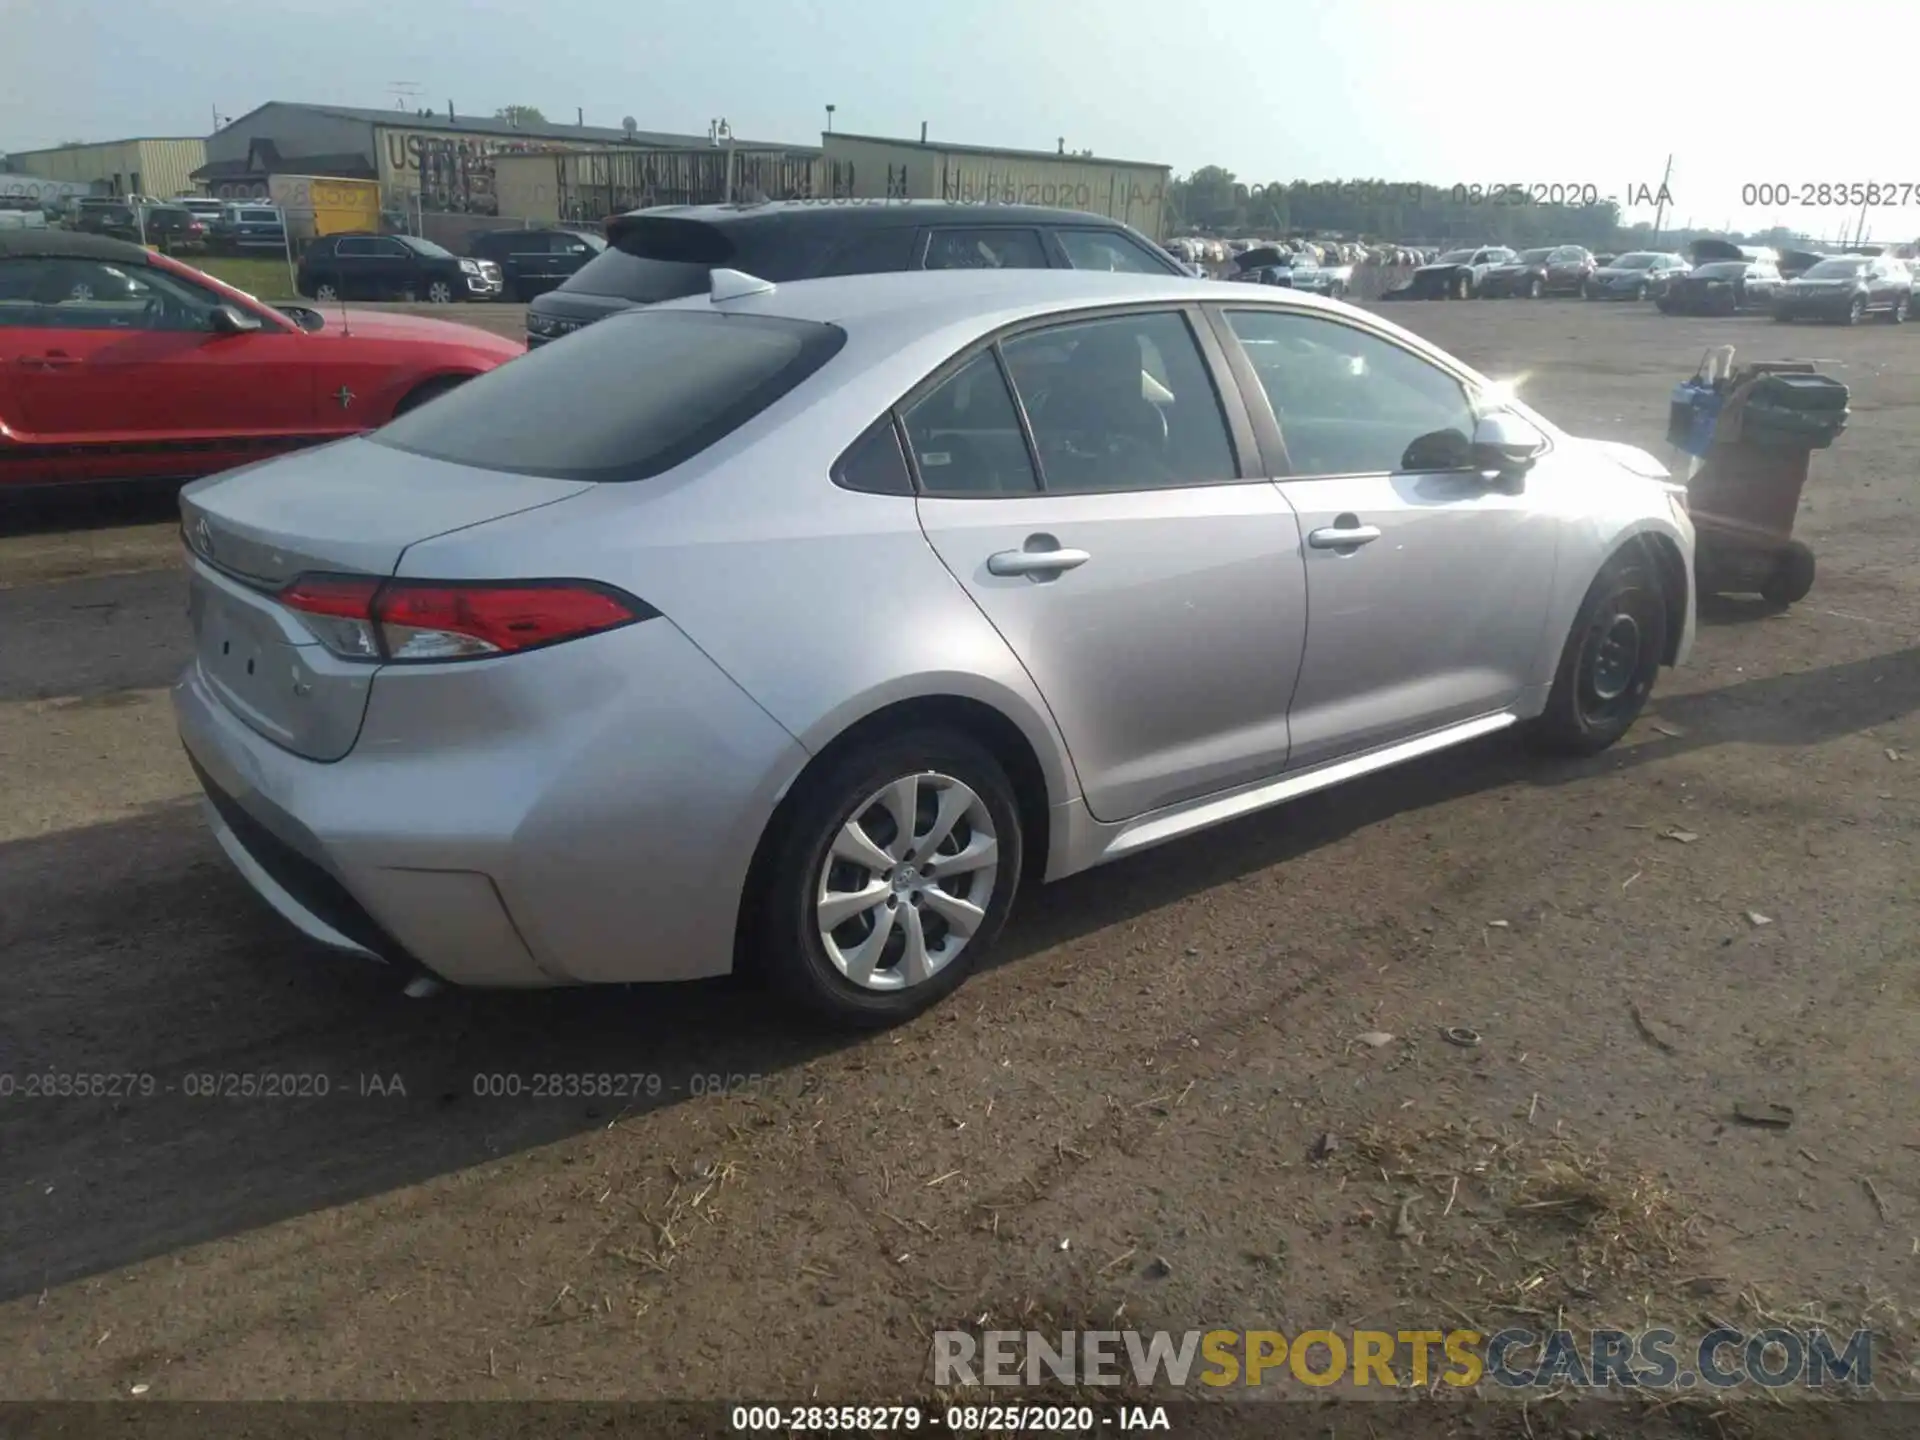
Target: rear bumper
(498,839)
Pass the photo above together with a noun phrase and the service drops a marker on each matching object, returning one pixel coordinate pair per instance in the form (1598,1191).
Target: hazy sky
(1560,92)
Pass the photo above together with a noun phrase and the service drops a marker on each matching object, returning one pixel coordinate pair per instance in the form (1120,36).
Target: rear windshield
(628,277)
(1836,269)
(628,398)
(259,217)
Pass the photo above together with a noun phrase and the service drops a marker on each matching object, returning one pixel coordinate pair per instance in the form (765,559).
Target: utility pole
(1660,210)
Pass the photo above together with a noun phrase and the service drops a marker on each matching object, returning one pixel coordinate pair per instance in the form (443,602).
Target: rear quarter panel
(824,605)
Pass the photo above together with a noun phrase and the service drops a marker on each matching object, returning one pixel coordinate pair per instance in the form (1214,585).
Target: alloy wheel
(440,292)
(324,291)
(907,881)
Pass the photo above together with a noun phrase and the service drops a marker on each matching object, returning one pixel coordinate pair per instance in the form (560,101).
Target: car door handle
(55,360)
(1035,562)
(1343,536)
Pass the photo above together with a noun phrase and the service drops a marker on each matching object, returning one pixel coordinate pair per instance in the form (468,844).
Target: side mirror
(232,320)
(1505,445)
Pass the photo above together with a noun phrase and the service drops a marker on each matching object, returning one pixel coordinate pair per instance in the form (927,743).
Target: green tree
(520,115)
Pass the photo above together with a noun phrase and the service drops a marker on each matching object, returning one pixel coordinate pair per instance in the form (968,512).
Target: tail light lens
(433,621)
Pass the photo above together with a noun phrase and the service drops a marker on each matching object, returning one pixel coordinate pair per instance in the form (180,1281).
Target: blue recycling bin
(1692,416)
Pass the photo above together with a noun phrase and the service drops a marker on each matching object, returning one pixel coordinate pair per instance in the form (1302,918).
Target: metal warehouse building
(160,167)
(1129,190)
(446,159)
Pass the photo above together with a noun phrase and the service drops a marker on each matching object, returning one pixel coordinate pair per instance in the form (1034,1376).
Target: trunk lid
(352,507)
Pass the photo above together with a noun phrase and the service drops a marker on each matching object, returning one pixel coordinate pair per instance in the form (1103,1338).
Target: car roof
(70,244)
(934,299)
(875,214)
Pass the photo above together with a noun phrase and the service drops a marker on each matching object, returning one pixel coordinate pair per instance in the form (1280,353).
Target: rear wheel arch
(986,726)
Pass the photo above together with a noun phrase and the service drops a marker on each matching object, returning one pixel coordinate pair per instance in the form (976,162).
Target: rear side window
(875,464)
(626,399)
(880,253)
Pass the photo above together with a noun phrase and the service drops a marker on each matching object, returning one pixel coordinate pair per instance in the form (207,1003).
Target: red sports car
(120,364)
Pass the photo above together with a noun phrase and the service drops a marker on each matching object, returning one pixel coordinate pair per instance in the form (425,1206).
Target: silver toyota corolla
(798,628)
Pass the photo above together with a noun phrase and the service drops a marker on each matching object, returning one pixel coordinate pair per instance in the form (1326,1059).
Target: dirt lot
(1156,1107)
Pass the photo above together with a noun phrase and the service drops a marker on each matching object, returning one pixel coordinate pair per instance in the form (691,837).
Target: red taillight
(364,618)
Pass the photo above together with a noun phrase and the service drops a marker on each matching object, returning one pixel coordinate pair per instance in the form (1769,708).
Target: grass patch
(265,276)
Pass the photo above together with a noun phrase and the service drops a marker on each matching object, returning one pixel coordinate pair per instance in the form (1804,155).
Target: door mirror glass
(1439,450)
(231,320)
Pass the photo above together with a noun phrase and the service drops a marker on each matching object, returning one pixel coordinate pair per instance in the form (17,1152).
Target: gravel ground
(1155,1106)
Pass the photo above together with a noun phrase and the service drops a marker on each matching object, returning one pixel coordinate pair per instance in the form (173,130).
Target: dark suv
(114,218)
(533,262)
(359,265)
(1848,288)
(667,252)
(1550,270)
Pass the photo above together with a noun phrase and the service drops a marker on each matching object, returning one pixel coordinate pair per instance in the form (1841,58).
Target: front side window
(625,399)
(965,435)
(1348,402)
(1108,250)
(994,249)
(1121,404)
(350,247)
(72,294)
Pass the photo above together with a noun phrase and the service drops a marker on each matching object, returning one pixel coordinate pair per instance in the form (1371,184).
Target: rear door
(1427,588)
(1113,527)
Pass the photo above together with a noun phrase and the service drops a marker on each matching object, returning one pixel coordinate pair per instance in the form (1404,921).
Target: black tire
(325,283)
(1780,317)
(1898,314)
(1856,312)
(1463,287)
(1666,306)
(1536,288)
(1792,576)
(1640,291)
(1599,691)
(430,390)
(441,292)
(784,926)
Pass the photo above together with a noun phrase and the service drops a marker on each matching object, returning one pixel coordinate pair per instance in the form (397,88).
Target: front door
(1427,588)
(126,356)
(1154,595)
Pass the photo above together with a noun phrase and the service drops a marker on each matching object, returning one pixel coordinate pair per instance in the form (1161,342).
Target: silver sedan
(798,629)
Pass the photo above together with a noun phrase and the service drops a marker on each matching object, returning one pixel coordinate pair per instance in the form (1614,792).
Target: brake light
(420,621)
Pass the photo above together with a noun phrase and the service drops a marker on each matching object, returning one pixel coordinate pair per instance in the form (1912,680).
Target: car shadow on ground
(133,952)
(60,509)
